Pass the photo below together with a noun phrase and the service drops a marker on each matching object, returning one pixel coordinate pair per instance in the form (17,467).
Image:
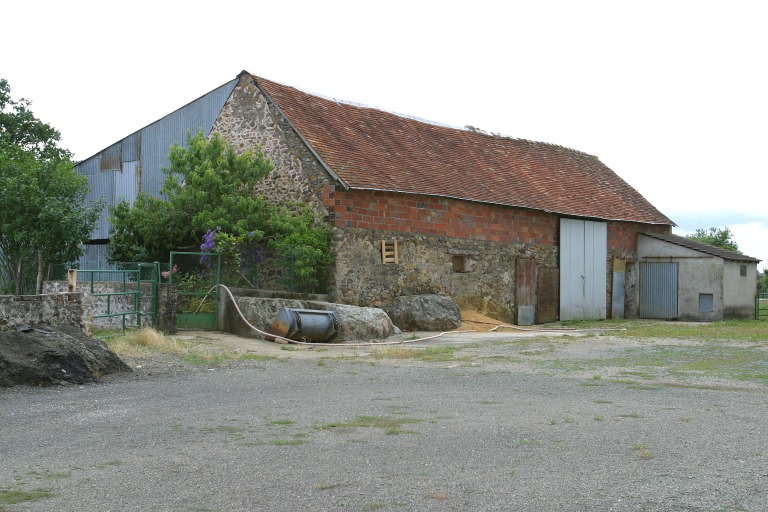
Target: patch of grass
(108,464)
(231,431)
(705,360)
(743,330)
(440,354)
(488,402)
(282,422)
(568,419)
(599,418)
(288,442)
(731,508)
(388,424)
(255,357)
(641,375)
(202,359)
(141,342)
(325,486)
(14,496)
(643,451)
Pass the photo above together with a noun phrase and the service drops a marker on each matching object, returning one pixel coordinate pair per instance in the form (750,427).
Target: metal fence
(129,296)
(761,305)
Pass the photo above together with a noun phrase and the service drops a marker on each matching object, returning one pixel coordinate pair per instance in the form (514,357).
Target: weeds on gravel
(388,424)
(13,496)
(145,341)
(643,451)
(743,330)
(706,360)
(445,353)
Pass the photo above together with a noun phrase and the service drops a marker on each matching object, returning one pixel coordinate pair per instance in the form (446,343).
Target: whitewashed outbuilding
(687,280)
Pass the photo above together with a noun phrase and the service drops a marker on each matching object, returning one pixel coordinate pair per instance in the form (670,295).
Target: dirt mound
(44,355)
(477,321)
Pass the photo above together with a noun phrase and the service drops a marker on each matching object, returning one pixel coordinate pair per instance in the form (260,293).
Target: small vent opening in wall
(389,251)
(461,263)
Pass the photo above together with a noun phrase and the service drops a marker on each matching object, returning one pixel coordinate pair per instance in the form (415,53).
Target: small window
(706,303)
(389,251)
(461,263)
(743,270)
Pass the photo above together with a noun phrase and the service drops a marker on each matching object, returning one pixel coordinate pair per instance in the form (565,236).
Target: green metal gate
(761,305)
(127,294)
(196,276)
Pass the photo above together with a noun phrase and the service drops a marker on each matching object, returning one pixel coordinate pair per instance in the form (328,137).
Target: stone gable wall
(251,123)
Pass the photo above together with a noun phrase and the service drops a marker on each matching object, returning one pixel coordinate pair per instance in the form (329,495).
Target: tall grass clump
(143,341)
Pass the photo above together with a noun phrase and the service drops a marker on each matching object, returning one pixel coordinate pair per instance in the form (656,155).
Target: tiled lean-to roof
(367,148)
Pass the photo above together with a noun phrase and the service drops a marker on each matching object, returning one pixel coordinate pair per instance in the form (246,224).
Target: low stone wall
(102,304)
(51,308)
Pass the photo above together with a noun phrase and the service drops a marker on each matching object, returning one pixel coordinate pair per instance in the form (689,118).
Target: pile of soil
(46,355)
(473,320)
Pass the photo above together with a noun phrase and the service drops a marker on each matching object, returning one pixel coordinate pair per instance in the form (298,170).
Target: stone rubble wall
(101,304)
(51,308)
(251,123)
(425,266)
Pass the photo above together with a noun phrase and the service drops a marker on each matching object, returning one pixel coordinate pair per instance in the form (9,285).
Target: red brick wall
(622,236)
(388,211)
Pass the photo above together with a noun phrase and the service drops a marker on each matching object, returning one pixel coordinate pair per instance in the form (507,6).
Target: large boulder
(355,323)
(425,313)
(45,355)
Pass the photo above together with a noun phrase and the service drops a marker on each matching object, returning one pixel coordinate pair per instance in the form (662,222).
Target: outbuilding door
(583,254)
(658,289)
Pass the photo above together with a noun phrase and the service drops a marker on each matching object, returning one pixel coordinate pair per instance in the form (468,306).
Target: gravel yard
(483,421)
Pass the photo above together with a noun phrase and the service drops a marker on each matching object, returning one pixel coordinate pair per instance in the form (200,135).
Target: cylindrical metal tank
(305,324)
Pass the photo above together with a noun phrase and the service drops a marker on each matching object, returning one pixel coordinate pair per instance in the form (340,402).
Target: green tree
(208,196)
(722,238)
(43,216)
(762,280)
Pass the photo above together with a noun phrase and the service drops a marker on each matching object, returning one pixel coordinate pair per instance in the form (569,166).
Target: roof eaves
(295,129)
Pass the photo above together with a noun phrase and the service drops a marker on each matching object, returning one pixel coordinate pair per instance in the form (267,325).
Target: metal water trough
(305,324)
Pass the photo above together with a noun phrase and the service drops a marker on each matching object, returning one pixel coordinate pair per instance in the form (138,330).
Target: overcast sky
(671,95)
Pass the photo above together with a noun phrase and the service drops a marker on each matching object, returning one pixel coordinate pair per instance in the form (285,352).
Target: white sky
(671,95)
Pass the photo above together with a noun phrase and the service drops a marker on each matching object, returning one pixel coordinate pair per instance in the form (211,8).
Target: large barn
(528,231)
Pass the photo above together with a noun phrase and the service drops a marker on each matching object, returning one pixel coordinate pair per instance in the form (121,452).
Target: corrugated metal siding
(658,290)
(134,164)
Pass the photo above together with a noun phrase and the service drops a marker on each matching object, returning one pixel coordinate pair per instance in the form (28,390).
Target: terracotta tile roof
(701,247)
(372,149)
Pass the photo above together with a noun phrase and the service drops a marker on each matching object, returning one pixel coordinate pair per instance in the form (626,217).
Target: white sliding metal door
(583,254)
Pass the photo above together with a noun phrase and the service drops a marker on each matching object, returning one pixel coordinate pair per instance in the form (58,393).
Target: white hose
(282,340)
